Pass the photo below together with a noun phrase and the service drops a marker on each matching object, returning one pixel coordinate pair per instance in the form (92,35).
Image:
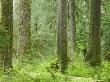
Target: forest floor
(37,72)
(67,78)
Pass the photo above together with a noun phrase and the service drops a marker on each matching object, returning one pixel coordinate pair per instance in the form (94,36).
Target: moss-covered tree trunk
(72,27)
(0,10)
(62,35)
(24,24)
(94,51)
(7,25)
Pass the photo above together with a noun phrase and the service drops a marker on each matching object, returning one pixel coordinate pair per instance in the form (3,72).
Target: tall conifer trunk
(24,24)
(62,35)
(72,27)
(94,48)
(7,25)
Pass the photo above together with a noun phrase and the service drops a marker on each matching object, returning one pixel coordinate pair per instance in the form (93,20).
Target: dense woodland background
(54,41)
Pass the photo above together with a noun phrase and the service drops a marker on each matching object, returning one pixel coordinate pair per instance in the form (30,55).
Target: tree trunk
(62,35)
(94,52)
(7,25)
(72,27)
(24,23)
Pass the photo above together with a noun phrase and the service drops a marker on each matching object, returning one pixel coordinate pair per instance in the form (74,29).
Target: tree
(105,27)
(62,35)
(94,52)
(24,19)
(7,26)
(72,27)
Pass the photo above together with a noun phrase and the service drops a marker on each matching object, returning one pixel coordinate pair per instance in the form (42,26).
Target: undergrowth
(38,72)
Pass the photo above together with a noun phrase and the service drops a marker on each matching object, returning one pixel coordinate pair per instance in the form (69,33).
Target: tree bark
(7,24)
(94,51)
(72,27)
(62,35)
(24,23)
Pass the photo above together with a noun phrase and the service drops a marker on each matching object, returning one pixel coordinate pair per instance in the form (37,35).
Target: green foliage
(77,72)
(105,26)
(80,69)
(44,18)
(43,26)
(3,37)
(104,72)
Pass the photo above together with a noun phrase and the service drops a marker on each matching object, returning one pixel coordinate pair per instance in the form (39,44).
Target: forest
(54,41)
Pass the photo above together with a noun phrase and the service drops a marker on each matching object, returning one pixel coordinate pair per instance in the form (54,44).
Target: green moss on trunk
(94,49)
(7,25)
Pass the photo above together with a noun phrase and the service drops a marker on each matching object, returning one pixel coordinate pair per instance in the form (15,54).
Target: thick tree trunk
(62,35)
(7,23)
(94,52)
(24,23)
(72,27)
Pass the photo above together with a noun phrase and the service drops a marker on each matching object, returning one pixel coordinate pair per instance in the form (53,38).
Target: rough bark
(72,27)
(62,35)
(94,52)
(24,24)
(7,24)
(0,10)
